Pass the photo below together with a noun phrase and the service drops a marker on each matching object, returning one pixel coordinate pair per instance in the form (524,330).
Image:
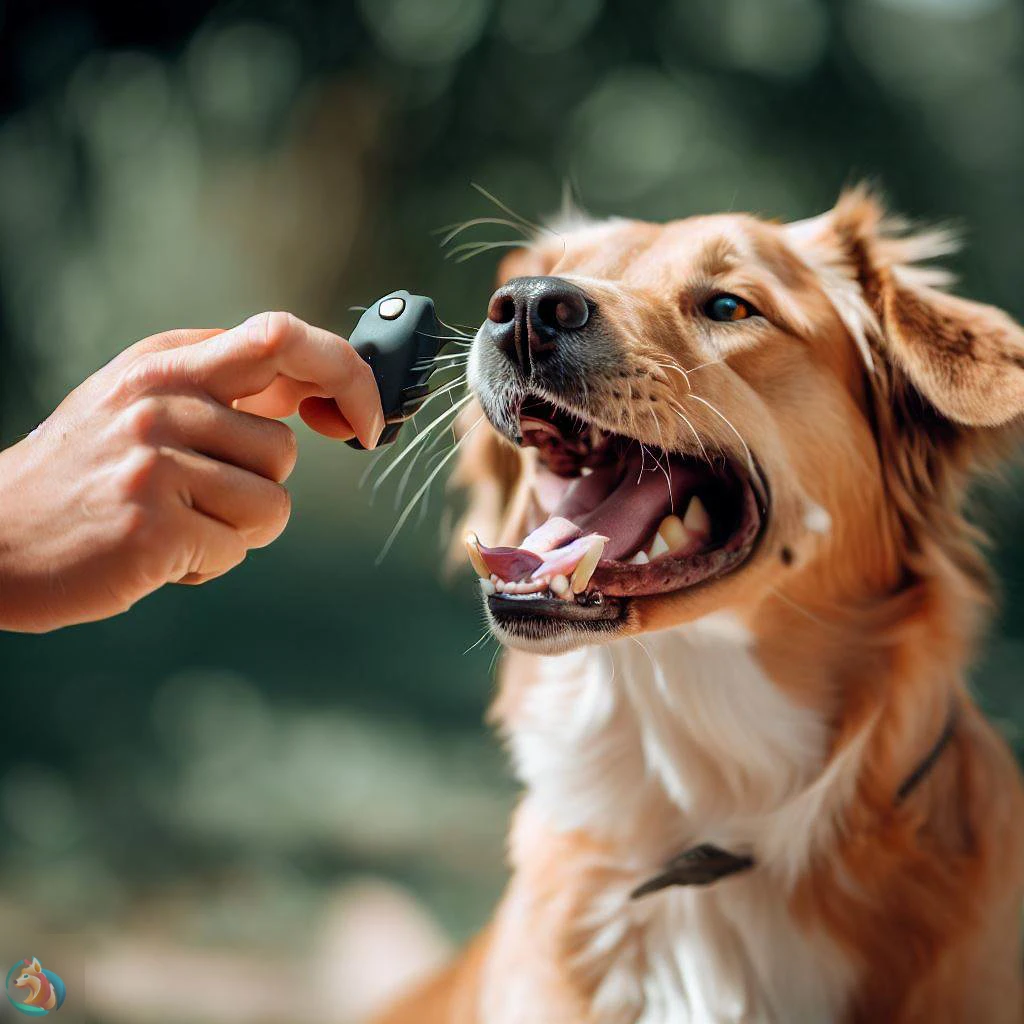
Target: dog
(755,786)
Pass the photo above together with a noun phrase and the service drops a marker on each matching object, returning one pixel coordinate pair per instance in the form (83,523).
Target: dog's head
(680,415)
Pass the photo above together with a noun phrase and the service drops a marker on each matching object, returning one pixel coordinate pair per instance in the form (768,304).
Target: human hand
(164,466)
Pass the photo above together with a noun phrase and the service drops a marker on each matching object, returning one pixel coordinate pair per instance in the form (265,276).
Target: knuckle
(145,374)
(138,473)
(142,418)
(268,333)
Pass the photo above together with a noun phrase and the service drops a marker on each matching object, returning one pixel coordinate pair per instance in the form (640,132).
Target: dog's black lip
(508,609)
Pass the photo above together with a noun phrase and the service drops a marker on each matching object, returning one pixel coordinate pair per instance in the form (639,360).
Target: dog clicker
(398,336)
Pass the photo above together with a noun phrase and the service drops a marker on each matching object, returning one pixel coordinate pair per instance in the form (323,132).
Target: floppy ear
(965,358)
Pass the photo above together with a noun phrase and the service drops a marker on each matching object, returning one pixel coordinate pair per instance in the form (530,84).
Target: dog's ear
(966,359)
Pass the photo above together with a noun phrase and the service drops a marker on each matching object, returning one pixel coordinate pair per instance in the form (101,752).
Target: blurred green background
(285,774)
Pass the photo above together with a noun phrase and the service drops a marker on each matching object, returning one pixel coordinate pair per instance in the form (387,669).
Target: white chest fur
(657,744)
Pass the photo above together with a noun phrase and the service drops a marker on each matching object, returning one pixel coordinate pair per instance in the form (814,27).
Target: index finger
(246,359)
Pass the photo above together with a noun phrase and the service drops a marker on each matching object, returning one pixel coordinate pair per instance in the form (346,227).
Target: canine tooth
(586,470)
(559,585)
(586,565)
(697,519)
(488,587)
(659,546)
(640,558)
(473,550)
(673,533)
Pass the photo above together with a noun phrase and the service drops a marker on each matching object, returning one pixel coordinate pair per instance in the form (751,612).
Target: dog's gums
(623,520)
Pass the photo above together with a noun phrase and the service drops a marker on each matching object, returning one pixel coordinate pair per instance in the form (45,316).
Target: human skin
(167,465)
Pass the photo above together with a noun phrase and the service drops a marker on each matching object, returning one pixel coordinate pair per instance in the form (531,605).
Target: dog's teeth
(499,586)
(673,533)
(659,546)
(488,587)
(640,558)
(559,586)
(697,519)
(473,550)
(586,470)
(586,565)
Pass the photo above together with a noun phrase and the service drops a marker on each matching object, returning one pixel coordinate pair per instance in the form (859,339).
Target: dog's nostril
(567,311)
(502,309)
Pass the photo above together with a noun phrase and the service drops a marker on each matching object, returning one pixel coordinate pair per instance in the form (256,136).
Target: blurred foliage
(185,163)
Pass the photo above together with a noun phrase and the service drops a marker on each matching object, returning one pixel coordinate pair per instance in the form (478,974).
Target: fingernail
(378,429)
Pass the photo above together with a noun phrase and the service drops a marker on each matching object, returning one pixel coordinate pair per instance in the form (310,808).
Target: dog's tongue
(614,509)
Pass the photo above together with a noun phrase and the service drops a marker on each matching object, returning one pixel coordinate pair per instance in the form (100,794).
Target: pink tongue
(623,505)
(630,513)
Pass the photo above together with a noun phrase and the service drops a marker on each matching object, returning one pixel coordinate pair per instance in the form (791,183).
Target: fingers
(177,338)
(254,443)
(215,548)
(255,508)
(322,415)
(246,360)
(281,398)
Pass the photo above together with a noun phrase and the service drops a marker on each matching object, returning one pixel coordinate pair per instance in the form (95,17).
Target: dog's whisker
(484,637)
(421,436)
(403,483)
(424,487)
(675,366)
(701,366)
(534,227)
(752,469)
(373,463)
(454,230)
(678,409)
(470,249)
(668,473)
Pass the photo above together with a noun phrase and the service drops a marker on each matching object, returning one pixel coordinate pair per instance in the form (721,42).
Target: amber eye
(728,307)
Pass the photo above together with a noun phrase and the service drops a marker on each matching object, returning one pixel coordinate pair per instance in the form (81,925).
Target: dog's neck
(676,737)
(645,747)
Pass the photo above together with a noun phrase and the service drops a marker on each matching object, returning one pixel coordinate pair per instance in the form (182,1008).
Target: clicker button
(391,309)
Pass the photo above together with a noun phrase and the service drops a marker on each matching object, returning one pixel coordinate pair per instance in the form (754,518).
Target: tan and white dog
(756,788)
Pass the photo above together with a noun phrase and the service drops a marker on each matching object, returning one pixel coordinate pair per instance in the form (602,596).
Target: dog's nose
(527,316)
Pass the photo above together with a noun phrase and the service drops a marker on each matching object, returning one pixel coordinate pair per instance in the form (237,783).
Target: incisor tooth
(559,585)
(697,519)
(640,558)
(473,550)
(586,566)
(659,546)
(488,587)
(673,533)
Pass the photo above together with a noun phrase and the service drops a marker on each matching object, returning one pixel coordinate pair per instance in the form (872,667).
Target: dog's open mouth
(616,519)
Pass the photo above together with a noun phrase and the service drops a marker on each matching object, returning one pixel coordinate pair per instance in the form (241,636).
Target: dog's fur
(778,709)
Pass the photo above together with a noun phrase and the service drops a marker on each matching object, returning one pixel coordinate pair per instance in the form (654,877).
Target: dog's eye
(728,307)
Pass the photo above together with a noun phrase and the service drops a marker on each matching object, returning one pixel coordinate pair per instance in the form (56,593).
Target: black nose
(527,316)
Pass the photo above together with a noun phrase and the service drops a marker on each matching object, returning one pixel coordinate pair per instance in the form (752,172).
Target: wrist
(21,605)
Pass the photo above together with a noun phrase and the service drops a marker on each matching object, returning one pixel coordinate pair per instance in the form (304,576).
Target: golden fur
(868,623)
